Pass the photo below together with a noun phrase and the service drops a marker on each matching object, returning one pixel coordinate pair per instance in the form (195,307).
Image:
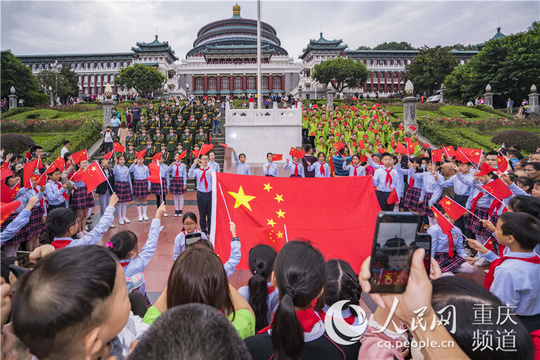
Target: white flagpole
(226,207)
(286,235)
(259,77)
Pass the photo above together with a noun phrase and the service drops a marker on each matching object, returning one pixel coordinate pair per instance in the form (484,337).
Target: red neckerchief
(203,175)
(271,289)
(177,170)
(388,180)
(488,280)
(59,244)
(64,193)
(450,243)
(322,171)
(355,167)
(124,263)
(494,208)
(295,168)
(349,319)
(475,200)
(308,319)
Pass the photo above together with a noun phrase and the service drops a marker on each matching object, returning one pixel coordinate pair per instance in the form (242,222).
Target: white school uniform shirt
(182,171)
(317,167)
(214,165)
(17,224)
(273,171)
(484,202)
(379,179)
(54,194)
(439,241)
(430,185)
(197,174)
(463,184)
(291,166)
(360,170)
(241,169)
(94,236)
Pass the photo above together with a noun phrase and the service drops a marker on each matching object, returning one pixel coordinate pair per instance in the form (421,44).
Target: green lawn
(54,114)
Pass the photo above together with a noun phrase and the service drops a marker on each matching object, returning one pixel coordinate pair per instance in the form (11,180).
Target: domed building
(223,60)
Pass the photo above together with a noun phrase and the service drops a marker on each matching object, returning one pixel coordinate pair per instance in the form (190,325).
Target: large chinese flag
(337,215)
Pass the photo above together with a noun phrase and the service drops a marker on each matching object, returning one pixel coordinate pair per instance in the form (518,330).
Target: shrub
(16,143)
(41,125)
(15,111)
(485,108)
(526,140)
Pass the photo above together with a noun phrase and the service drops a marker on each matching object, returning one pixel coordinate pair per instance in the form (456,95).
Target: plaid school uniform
(475,225)
(177,186)
(90,203)
(140,188)
(412,197)
(446,263)
(23,234)
(35,226)
(78,199)
(123,190)
(156,187)
(426,209)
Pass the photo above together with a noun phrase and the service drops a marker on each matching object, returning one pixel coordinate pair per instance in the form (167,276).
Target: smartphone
(423,241)
(23,259)
(18,270)
(192,239)
(393,245)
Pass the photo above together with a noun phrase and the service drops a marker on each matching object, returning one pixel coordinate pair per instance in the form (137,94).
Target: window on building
(212,84)
(265,82)
(199,84)
(251,82)
(224,83)
(277,82)
(238,83)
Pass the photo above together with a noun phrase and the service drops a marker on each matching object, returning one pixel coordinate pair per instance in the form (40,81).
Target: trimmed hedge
(15,111)
(16,143)
(439,135)
(526,140)
(486,108)
(460,112)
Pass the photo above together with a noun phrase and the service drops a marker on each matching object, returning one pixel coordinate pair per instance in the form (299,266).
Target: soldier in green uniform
(165,155)
(206,124)
(186,110)
(131,139)
(209,109)
(158,138)
(198,110)
(141,124)
(149,152)
(174,111)
(192,125)
(141,143)
(171,140)
(201,138)
(187,140)
(151,111)
(152,126)
(166,124)
(179,125)
(162,110)
(130,155)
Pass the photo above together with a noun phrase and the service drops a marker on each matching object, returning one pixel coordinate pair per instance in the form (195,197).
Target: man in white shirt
(65,148)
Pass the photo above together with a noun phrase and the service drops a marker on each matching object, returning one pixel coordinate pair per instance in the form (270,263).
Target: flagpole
(226,207)
(47,169)
(160,181)
(286,235)
(468,159)
(106,179)
(464,208)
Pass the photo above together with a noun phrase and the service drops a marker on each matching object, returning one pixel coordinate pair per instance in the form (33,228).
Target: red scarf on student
(389,180)
(349,320)
(203,176)
(308,318)
(295,168)
(475,200)
(355,168)
(322,171)
(494,208)
(491,274)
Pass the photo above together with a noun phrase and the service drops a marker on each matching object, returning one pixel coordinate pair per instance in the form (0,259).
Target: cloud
(66,27)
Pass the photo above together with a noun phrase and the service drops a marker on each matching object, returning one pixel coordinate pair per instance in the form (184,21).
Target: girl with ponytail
(296,331)
(261,295)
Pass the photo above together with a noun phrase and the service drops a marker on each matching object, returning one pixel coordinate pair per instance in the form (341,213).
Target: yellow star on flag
(267,187)
(241,198)
(280,214)
(279,198)
(448,202)
(271,222)
(279,234)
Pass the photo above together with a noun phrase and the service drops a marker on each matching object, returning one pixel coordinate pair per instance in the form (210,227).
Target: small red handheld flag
(156,157)
(277,157)
(196,153)
(452,208)
(56,164)
(92,177)
(140,154)
(6,209)
(206,148)
(224,145)
(400,149)
(183,154)
(108,155)
(362,144)
(392,198)
(79,156)
(498,189)
(471,155)
(5,171)
(28,171)
(502,163)
(119,147)
(449,151)
(446,227)
(436,155)
(339,146)
(155,173)
(413,128)
(297,153)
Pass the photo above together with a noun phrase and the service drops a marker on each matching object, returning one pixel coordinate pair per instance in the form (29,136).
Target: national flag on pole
(452,208)
(446,227)
(77,175)
(59,164)
(206,148)
(156,157)
(400,149)
(79,156)
(362,144)
(119,148)
(502,163)
(392,198)
(108,155)
(469,155)
(498,189)
(449,151)
(411,147)
(92,177)
(41,180)
(5,171)
(277,157)
(426,145)
(183,154)
(155,173)
(490,245)
(273,210)
(339,146)
(140,154)
(6,209)
(196,153)
(297,153)
(436,155)
(7,194)
(28,171)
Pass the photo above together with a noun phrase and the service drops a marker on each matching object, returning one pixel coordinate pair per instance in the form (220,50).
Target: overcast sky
(67,27)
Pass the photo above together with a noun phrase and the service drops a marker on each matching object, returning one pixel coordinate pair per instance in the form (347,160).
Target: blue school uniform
(272,171)
(241,169)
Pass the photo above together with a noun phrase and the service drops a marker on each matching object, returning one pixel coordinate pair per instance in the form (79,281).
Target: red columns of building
(218,83)
(271,83)
(379,81)
(193,78)
(283,83)
(385,81)
(365,87)
(205,89)
(231,83)
(372,78)
(244,83)
(398,81)
(392,82)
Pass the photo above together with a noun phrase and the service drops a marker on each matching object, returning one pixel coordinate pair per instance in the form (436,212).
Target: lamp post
(51,96)
(12,98)
(187,91)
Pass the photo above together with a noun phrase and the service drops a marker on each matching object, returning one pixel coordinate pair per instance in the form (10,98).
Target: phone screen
(192,239)
(423,241)
(393,245)
(23,259)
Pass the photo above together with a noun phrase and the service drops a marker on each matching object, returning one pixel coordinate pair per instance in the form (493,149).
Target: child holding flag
(203,176)
(321,168)
(106,188)
(295,168)
(160,188)
(123,188)
(432,182)
(79,201)
(141,185)
(178,183)
(385,180)
(241,167)
(269,168)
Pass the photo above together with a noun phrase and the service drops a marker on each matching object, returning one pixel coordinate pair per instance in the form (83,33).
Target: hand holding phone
(23,259)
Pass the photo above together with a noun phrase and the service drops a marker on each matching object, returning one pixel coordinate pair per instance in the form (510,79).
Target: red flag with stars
(6,209)
(498,189)
(436,155)
(468,155)
(7,194)
(277,157)
(502,163)
(272,211)
(5,171)
(79,156)
(108,155)
(452,208)
(446,227)
(119,147)
(92,177)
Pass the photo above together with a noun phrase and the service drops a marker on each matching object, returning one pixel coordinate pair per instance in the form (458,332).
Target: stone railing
(269,117)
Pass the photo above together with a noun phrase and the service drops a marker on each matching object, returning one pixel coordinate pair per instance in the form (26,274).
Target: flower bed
(41,125)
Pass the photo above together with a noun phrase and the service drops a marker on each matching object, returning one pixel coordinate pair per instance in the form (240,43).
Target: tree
(362,47)
(429,68)
(142,78)
(71,79)
(18,75)
(393,45)
(342,73)
(509,65)
(62,83)
(461,47)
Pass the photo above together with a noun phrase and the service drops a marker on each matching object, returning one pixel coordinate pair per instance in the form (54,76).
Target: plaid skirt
(426,209)
(411,198)
(446,264)
(156,188)
(177,186)
(21,236)
(35,226)
(90,203)
(475,225)
(78,198)
(140,188)
(123,190)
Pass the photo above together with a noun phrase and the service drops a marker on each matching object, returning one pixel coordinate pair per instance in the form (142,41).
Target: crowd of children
(282,311)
